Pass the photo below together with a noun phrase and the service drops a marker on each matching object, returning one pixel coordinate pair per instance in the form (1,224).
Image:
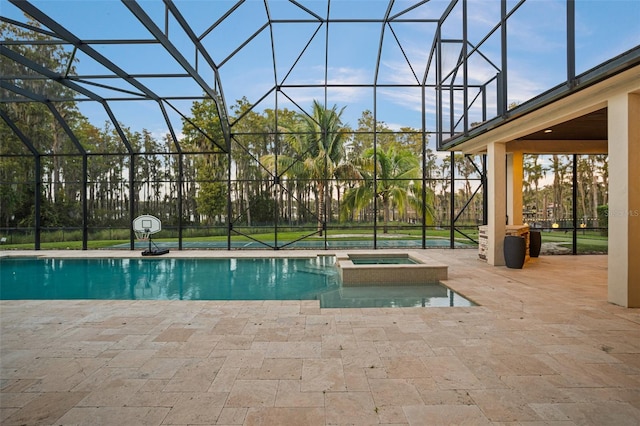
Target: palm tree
(560,167)
(395,171)
(317,143)
(465,167)
(533,174)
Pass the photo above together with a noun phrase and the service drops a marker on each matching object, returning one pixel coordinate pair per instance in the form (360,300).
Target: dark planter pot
(535,243)
(514,251)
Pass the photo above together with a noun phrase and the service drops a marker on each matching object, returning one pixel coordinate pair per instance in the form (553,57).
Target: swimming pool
(314,278)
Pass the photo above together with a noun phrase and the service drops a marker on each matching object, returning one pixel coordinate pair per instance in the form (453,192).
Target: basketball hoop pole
(149,237)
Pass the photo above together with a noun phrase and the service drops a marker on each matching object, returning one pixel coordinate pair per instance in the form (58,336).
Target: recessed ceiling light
(548,131)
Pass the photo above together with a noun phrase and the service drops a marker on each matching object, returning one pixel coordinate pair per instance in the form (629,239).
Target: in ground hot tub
(362,269)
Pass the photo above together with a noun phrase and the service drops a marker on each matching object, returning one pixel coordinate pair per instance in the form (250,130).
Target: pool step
(318,270)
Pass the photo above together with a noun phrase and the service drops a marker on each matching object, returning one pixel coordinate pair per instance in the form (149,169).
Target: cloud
(347,76)
(538,27)
(522,88)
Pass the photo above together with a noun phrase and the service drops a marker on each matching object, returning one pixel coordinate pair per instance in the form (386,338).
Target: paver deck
(544,347)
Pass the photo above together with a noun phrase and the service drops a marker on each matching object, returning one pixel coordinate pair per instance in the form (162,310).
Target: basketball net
(143,235)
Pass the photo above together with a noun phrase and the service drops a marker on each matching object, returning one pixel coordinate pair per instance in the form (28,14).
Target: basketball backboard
(147,224)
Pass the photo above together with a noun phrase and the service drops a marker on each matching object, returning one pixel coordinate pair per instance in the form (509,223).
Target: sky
(536,52)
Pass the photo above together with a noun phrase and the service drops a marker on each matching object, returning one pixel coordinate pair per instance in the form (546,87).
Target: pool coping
(225,254)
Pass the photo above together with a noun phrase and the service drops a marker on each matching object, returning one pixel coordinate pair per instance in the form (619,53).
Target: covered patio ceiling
(588,127)
(586,134)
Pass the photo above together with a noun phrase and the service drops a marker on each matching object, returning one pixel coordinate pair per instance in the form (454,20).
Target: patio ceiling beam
(221,19)
(65,34)
(409,9)
(39,98)
(22,91)
(47,73)
(193,37)
(53,76)
(318,17)
(380,42)
(65,126)
(111,76)
(172,131)
(25,140)
(559,146)
(274,61)
(148,23)
(28,27)
(64,42)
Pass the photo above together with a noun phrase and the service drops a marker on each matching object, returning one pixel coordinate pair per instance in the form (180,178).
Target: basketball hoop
(145,225)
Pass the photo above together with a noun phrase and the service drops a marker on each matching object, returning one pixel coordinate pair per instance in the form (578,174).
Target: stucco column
(515,175)
(624,200)
(496,220)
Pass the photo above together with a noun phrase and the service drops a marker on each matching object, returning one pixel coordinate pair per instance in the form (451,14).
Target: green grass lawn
(588,241)
(339,234)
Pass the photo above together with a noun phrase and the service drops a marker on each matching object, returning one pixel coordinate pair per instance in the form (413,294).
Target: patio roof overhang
(564,120)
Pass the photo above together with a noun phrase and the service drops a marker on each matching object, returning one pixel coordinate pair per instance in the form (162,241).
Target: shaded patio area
(544,347)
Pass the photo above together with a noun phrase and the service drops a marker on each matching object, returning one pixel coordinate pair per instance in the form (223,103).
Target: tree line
(548,188)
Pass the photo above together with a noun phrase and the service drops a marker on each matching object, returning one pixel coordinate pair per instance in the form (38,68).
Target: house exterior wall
(624,199)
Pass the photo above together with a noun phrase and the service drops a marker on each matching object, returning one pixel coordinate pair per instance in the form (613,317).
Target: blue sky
(537,42)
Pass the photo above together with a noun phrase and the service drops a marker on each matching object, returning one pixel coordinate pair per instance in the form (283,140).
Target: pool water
(204,279)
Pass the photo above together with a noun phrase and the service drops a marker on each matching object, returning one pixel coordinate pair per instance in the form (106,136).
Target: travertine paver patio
(544,348)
